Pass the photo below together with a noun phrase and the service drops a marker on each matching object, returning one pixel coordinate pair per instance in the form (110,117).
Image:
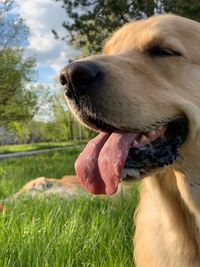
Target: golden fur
(141,91)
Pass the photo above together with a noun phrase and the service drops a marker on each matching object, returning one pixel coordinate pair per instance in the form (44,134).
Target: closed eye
(157,51)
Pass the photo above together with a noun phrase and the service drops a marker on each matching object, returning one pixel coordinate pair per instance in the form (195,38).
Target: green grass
(15,172)
(36,146)
(83,231)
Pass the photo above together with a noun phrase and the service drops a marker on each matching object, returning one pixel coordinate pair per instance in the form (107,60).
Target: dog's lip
(97,124)
(100,125)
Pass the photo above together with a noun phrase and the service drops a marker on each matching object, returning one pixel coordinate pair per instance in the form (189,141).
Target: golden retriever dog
(68,186)
(143,97)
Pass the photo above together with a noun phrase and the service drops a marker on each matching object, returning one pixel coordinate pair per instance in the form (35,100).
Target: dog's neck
(179,197)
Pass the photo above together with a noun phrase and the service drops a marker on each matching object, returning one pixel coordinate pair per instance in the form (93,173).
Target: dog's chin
(151,150)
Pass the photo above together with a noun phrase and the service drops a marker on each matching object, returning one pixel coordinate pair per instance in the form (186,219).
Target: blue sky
(45,74)
(41,16)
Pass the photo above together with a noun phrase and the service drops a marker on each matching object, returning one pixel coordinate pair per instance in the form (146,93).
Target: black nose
(79,77)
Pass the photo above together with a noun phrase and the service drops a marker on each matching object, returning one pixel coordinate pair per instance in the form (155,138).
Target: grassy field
(84,231)
(36,146)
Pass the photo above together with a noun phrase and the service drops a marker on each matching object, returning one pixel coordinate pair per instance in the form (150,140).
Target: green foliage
(186,8)
(62,129)
(57,130)
(66,122)
(19,130)
(16,103)
(14,72)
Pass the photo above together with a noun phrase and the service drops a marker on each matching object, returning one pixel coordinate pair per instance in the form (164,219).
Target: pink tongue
(100,165)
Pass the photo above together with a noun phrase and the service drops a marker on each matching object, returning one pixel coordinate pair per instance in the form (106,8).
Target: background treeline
(34,113)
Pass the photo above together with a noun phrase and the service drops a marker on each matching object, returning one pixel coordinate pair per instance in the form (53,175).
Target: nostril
(83,73)
(63,79)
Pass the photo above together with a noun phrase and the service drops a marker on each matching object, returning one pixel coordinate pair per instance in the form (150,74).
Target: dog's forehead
(142,33)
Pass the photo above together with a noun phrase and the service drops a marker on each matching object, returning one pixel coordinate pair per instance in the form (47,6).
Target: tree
(91,21)
(14,73)
(186,8)
(38,100)
(15,69)
(68,127)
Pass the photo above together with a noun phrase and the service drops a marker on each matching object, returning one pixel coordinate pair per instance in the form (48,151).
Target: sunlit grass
(36,146)
(15,172)
(83,231)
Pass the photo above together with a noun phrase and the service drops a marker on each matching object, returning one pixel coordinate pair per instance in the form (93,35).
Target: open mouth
(155,149)
(115,155)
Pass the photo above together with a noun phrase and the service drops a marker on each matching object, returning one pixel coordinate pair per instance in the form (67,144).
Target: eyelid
(160,51)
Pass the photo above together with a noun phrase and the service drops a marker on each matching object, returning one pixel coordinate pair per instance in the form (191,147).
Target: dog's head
(143,96)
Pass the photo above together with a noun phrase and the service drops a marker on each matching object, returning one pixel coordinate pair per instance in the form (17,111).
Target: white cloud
(41,16)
